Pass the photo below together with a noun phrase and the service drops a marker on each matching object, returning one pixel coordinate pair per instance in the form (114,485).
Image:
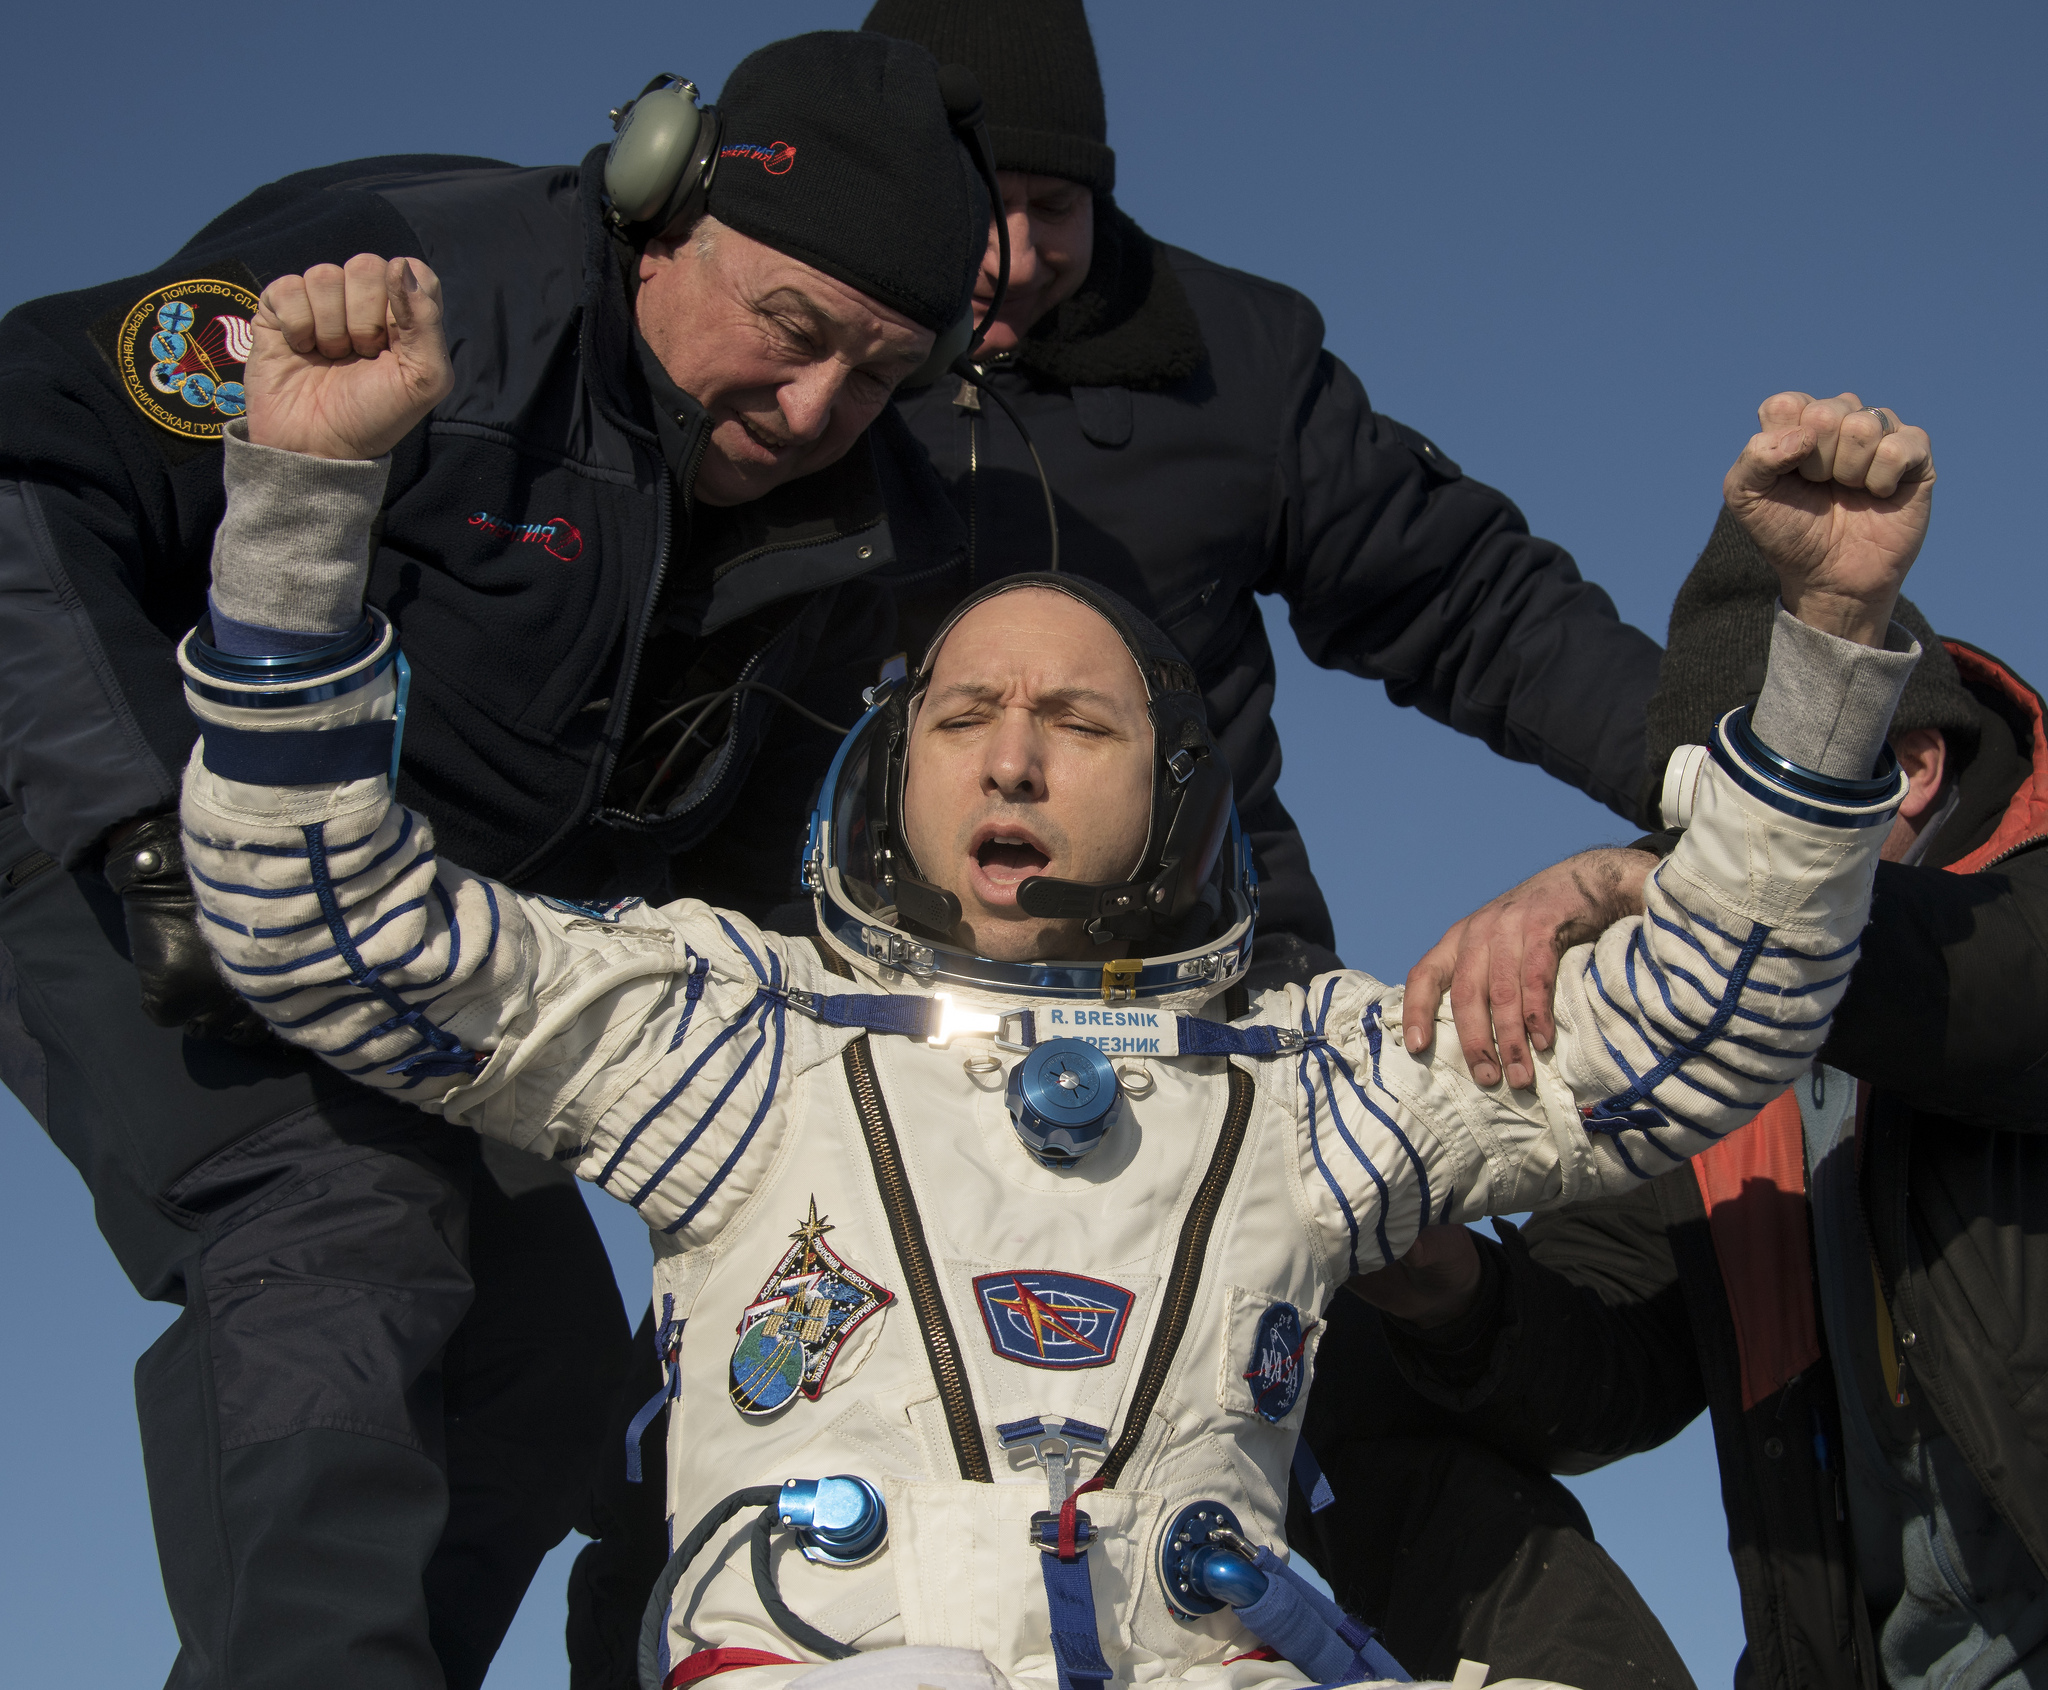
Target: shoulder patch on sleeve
(179,352)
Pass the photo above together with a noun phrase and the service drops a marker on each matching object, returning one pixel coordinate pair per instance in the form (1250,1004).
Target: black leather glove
(181,987)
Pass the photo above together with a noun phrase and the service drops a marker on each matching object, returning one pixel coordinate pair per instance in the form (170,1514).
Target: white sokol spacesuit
(1059,1227)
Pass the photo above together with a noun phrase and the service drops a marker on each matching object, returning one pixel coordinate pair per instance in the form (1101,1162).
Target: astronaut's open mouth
(1013,855)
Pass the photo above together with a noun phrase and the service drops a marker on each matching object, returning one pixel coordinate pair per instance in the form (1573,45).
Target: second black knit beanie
(837,151)
(1035,61)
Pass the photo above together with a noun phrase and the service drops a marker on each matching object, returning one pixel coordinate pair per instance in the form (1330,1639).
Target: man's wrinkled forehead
(1077,649)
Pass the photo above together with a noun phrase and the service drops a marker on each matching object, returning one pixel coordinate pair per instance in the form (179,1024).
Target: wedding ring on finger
(1885,425)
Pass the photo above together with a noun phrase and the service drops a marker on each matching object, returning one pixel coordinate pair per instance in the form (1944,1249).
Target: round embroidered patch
(183,349)
(1275,1373)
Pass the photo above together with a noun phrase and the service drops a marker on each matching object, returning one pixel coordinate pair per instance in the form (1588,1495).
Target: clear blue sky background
(1575,243)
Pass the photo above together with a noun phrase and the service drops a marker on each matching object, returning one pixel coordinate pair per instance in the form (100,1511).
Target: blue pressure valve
(1061,1097)
(837,1522)
(1204,1564)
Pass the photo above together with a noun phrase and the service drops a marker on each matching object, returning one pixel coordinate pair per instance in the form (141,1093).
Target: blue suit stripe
(1315,1150)
(726,1034)
(1379,1224)
(757,1017)
(779,1014)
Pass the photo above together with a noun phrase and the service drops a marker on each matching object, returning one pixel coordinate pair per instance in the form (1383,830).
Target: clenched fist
(1836,495)
(347,358)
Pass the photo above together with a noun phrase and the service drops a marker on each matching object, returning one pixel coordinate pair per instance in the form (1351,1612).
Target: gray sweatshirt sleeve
(1827,704)
(293,551)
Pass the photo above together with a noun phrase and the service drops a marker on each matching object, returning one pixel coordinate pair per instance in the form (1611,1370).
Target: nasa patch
(181,350)
(1275,1374)
(1044,1318)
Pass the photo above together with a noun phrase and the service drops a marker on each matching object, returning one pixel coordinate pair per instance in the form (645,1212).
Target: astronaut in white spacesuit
(993,1227)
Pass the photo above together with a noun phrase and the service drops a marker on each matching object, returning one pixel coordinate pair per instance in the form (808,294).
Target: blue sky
(1574,243)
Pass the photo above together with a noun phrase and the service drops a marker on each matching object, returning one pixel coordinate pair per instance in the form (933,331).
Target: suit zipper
(1186,1279)
(914,1254)
(927,1303)
(666,544)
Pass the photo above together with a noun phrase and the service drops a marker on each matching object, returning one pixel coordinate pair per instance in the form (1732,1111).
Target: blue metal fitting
(1224,1575)
(1061,1097)
(837,1522)
(1204,1564)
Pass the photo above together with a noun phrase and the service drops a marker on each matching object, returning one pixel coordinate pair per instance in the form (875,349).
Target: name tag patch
(796,1326)
(1114,1032)
(1044,1318)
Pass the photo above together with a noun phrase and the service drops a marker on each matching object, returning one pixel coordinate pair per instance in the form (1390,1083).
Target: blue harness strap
(1114,1030)
(913,1017)
(1308,1474)
(668,1344)
(1063,1541)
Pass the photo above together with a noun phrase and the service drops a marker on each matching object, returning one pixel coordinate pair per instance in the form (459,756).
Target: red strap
(1069,1526)
(708,1663)
(1253,1655)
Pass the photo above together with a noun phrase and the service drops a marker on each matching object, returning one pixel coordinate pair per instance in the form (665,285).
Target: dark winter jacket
(554,588)
(1605,1329)
(1204,448)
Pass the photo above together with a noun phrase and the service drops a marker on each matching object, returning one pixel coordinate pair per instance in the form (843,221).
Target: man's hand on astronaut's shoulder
(1836,495)
(348,358)
(1499,965)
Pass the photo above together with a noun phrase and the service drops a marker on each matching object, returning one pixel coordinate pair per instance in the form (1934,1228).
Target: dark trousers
(1453,1551)
(379,1406)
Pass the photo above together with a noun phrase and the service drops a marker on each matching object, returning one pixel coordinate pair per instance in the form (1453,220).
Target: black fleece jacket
(1204,448)
(1604,1329)
(553,586)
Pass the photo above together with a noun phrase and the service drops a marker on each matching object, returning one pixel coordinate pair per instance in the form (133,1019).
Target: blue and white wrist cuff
(298,757)
(1786,786)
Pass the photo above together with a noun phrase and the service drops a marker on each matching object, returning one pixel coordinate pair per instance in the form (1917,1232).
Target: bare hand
(1843,530)
(1432,1285)
(1500,963)
(347,358)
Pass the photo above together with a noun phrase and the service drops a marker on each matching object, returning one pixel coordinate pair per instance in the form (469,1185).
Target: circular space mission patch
(181,353)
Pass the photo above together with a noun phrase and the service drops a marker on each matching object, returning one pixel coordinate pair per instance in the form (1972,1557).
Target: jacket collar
(2024,817)
(609,366)
(1130,325)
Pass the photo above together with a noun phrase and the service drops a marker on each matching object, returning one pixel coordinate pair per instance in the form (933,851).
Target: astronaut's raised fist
(1836,495)
(348,358)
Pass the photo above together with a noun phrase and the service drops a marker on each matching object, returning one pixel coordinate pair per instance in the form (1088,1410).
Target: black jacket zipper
(664,549)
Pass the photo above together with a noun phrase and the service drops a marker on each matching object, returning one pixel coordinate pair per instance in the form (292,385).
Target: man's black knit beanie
(1035,61)
(837,151)
(1720,639)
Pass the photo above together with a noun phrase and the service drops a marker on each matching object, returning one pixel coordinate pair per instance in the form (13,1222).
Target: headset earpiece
(968,114)
(662,157)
